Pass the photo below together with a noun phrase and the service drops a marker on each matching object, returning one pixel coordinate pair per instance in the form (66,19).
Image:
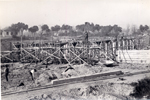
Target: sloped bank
(85,78)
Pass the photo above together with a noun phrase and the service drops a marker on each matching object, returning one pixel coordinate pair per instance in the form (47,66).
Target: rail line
(84,81)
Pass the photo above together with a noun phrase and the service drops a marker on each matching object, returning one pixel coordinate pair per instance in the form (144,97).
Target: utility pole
(21,30)
(87,46)
(41,44)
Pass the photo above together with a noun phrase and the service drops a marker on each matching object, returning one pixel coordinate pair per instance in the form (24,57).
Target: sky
(75,12)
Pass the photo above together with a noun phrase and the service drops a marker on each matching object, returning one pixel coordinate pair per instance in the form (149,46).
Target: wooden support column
(105,47)
(108,48)
(139,44)
(93,52)
(100,45)
(134,45)
(113,46)
(66,48)
(21,40)
(121,44)
(131,44)
(116,44)
(128,44)
(125,44)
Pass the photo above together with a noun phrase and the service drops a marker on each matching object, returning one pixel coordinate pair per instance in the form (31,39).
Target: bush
(142,88)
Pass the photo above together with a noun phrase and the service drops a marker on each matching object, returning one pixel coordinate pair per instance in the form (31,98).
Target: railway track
(84,81)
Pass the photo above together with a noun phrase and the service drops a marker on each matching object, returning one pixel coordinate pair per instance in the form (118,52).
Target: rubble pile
(42,79)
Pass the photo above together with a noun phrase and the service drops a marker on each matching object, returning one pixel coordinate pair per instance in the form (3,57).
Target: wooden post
(10,46)
(113,46)
(132,41)
(108,47)
(105,47)
(122,44)
(87,47)
(117,44)
(100,44)
(125,44)
(69,53)
(139,44)
(21,43)
(128,44)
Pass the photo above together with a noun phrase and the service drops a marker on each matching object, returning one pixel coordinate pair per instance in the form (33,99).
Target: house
(5,33)
(8,34)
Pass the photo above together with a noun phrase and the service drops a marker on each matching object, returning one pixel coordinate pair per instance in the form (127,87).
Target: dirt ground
(103,90)
(100,90)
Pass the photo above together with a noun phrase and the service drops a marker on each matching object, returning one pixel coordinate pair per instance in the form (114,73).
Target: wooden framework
(83,51)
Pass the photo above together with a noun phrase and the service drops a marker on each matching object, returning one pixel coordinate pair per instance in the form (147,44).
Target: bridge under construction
(87,50)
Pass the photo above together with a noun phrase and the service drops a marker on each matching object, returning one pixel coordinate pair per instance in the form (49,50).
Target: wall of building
(6,34)
(133,56)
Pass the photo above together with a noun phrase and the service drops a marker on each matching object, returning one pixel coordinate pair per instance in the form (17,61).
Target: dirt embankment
(20,73)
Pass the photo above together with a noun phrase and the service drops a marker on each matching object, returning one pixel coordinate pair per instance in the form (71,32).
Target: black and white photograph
(75,49)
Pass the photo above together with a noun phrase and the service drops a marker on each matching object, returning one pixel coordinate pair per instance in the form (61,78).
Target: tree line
(18,27)
(78,29)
